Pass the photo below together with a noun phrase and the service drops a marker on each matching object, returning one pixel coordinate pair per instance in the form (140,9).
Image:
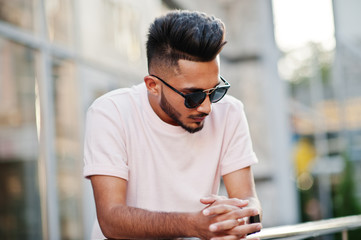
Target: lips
(198,118)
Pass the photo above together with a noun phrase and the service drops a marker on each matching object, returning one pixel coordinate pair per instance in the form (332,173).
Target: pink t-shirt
(167,168)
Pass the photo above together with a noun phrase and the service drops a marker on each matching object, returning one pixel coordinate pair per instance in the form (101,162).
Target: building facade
(56,57)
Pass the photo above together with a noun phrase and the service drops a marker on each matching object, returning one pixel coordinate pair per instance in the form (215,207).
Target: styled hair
(186,35)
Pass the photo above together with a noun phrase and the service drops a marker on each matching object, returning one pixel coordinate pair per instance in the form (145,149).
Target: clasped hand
(227,218)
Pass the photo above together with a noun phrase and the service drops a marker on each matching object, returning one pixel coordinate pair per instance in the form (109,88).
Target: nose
(206,106)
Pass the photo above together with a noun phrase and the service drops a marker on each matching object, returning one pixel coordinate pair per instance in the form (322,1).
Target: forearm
(240,184)
(117,220)
(122,221)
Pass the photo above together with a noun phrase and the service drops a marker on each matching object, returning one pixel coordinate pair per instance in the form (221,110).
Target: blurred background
(296,65)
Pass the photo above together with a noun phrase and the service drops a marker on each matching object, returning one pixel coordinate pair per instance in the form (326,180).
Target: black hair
(184,35)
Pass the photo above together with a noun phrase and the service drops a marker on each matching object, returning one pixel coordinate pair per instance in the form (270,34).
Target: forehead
(202,75)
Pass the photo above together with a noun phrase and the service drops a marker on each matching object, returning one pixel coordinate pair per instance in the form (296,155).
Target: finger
(241,221)
(239,213)
(243,237)
(211,199)
(233,201)
(226,212)
(214,199)
(219,209)
(245,229)
(223,226)
(228,237)
(208,200)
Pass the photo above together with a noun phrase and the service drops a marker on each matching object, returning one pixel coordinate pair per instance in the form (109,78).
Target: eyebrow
(193,89)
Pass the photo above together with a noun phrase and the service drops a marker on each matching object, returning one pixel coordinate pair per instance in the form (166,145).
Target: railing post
(344,235)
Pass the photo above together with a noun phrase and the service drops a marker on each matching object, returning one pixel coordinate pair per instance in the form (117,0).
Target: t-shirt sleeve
(104,148)
(238,144)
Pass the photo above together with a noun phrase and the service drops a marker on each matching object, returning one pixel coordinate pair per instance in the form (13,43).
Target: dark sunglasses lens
(193,100)
(218,94)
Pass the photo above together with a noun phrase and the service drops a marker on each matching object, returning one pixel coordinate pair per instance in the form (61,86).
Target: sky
(300,21)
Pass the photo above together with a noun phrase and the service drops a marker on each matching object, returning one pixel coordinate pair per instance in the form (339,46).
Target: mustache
(198,115)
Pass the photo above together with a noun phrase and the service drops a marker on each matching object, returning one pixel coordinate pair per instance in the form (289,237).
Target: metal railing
(311,229)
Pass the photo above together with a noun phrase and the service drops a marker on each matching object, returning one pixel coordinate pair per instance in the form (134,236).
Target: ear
(152,85)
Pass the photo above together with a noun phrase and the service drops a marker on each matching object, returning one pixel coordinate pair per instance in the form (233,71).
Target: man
(155,152)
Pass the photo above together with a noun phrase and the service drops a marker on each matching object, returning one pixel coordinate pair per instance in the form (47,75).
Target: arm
(117,220)
(240,184)
(120,221)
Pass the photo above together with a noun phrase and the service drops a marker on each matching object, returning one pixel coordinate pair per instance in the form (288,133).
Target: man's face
(191,76)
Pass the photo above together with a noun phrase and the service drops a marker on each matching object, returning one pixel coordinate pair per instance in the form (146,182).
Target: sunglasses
(194,99)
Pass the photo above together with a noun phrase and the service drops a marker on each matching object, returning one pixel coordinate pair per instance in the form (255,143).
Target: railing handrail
(310,229)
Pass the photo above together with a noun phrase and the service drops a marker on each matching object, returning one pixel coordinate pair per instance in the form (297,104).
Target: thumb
(210,199)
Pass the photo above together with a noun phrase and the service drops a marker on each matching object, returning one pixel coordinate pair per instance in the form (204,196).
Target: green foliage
(345,199)
(304,67)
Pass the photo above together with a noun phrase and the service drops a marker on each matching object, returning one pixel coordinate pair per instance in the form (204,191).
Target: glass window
(115,30)
(96,83)
(20,212)
(68,148)
(111,22)
(20,13)
(60,21)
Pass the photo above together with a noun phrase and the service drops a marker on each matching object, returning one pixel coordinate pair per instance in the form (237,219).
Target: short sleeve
(238,152)
(104,147)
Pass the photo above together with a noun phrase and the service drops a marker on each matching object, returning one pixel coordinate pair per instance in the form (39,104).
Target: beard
(175,115)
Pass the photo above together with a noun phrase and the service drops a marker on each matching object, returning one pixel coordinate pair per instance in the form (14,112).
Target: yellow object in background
(305,154)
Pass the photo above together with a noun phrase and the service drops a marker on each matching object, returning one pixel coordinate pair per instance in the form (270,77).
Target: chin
(193,129)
